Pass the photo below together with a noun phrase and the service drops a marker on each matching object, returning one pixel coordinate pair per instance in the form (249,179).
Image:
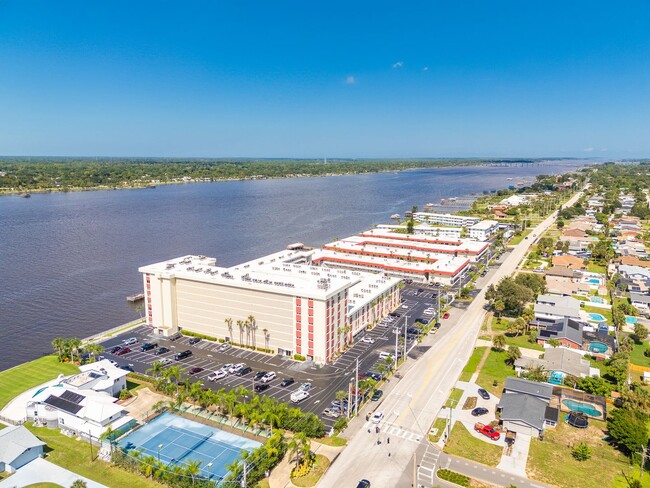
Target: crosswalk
(427,467)
(393,430)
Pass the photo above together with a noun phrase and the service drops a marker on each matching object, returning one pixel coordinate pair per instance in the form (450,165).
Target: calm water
(68,260)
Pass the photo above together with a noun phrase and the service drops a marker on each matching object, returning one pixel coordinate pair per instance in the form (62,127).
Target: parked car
(123,351)
(332,412)
(165,361)
(299,395)
(363,484)
(368,340)
(114,349)
(127,367)
(260,387)
(376,418)
(161,350)
(194,340)
(236,367)
(446,315)
(438,324)
(487,431)
(484,394)
(244,371)
(268,377)
(376,395)
(182,355)
(305,387)
(260,374)
(477,412)
(148,346)
(195,370)
(130,341)
(217,375)
(224,347)
(226,367)
(287,382)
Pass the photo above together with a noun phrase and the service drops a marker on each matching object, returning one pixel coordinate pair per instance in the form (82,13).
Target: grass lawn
(597,364)
(521,341)
(472,363)
(454,398)
(550,460)
(440,424)
(500,324)
(16,380)
(320,466)
(463,444)
(332,441)
(494,370)
(263,483)
(75,456)
(44,485)
(637,357)
(517,239)
(596,268)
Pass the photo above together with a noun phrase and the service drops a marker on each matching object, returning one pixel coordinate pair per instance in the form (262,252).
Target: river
(68,260)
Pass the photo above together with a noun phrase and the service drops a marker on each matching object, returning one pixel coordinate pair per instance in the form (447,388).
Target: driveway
(514,462)
(41,470)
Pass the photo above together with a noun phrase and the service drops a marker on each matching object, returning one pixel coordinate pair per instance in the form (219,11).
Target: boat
(135,298)
(25,195)
(509,179)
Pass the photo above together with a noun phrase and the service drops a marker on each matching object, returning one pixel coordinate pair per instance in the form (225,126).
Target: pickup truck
(486,430)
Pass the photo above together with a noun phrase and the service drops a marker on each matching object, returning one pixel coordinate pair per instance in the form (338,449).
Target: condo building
(445,219)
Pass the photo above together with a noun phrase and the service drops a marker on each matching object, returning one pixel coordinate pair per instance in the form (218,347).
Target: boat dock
(135,298)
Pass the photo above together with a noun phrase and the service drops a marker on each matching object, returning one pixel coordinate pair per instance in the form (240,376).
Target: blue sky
(325,79)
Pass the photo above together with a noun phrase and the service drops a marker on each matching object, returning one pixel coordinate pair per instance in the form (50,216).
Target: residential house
(568,261)
(556,307)
(572,232)
(560,362)
(557,285)
(633,261)
(576,334)
(525,407)
(18,446)
(640,301)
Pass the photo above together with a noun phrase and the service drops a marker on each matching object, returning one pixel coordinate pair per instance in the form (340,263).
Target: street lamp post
(209,466)
(160,446)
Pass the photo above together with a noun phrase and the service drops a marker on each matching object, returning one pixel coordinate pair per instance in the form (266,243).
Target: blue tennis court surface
(179,441)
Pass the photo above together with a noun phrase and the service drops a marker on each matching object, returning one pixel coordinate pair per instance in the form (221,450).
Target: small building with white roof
(483,230)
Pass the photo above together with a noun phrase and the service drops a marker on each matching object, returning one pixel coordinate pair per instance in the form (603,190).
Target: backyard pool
(631,320)
(586,408)
(597,347)
(594,281)
(596,300)
(596,317)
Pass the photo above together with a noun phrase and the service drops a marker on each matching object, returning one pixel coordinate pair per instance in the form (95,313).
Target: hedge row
(453,477)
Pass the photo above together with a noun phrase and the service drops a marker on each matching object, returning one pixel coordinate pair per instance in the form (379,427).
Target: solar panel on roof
(72,396)
(63,404)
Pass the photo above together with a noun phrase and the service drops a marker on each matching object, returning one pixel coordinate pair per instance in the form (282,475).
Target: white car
(270,376)
(165,361)
(217,375)
(376,418)
(299,395)
(130,341)
(368,340)
(305,387)
(224,347)
(235,368)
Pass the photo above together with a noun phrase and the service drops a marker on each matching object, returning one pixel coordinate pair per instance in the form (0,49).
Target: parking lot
(326,380)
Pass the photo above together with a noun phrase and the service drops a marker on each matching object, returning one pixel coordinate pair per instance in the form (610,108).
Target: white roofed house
(18,446)
(483,230)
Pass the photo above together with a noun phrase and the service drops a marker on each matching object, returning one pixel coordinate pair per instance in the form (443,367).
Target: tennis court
(178,441)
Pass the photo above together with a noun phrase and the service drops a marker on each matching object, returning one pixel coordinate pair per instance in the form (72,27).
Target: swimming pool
(597,347)
(587,408)
(594,281)
(631,320)
(596,300)
(596,317)
(177,441)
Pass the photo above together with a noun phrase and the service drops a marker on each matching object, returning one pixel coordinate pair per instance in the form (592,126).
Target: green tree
(499,342)
(537,373)
(78,484)
(626,344)
(554,343)
(640,331)
(513,354)
(581,452)
(594,385)
(628,428)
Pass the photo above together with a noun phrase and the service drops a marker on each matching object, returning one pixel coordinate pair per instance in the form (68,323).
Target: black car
(114,349)
(479,411)
(127,367)
(260,387)
(259,374)
(364,484)
(484,394)
(161,350)
(377,395)
(148,346)
(244,371)
(182,355)
(438,324)
(194,340)
(287,382)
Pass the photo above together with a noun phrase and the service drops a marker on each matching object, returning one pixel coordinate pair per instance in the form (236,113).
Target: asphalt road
(412,406)
(326,380)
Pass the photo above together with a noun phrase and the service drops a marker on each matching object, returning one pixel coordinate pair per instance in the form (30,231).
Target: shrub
(340,424)
(646,353)
(221,341)
(140,377)
(200,336)
(299,357)
(125,394)
(453,477)
(581,452)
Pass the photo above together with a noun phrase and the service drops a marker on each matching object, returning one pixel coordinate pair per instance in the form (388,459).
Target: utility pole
(396,331)
(349,398)
(644,453)
(406,324)
(243,481)
(356,390)
(90,443)
(415,471)
(451,407)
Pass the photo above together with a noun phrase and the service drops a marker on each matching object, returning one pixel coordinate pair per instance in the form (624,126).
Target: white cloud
(426,68)
(350,80)
(399,64)
(588,149)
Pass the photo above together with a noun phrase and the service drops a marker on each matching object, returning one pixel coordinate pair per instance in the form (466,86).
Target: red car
(195,370)
(446,315)
(487,431)
(123,351)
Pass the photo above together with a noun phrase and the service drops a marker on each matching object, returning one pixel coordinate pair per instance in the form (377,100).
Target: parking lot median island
(462,443)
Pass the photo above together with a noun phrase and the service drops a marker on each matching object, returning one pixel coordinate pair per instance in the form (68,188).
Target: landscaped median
(17,380)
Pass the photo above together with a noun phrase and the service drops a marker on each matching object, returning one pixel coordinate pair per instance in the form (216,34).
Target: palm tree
(94,350)
(156,369)
(159,406)
(193,469)
(228,322)
(253,326)
(75,348)
(266,338)
(240,324)
(78,484)
(293,448)
(57,345)
(247,326)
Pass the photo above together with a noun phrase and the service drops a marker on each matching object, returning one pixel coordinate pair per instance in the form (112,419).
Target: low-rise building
(453,233)
(559,362)
(640,301)
(525,407)
(568,261)
(445,219)
(483,230)
(556,307)
(18,446)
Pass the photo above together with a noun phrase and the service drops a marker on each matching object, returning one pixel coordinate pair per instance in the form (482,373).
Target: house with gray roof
(18,446)
(640,300)
(556,307)
(524,407)
(560,361)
